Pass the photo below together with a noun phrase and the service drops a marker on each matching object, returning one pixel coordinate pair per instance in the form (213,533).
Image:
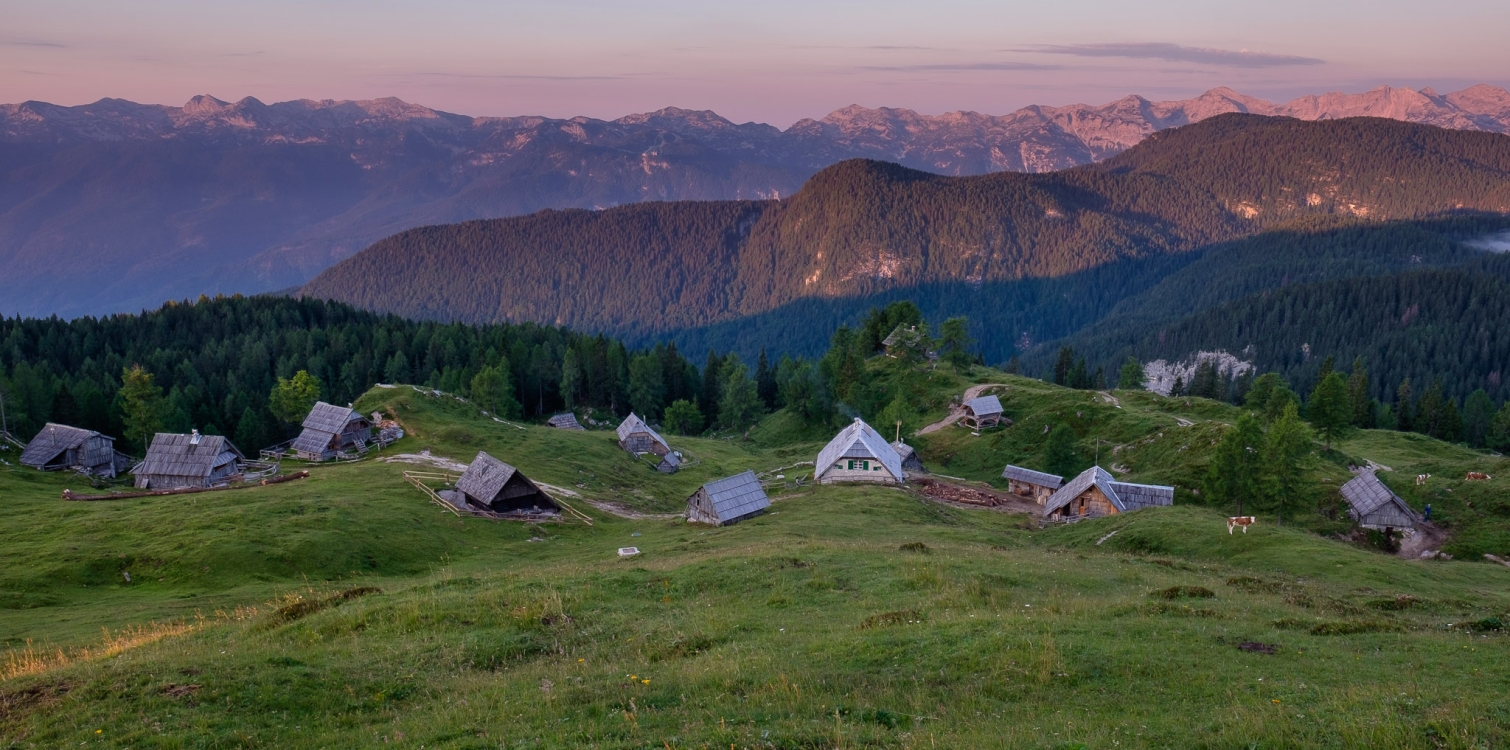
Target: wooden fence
(422,479)
(68,494)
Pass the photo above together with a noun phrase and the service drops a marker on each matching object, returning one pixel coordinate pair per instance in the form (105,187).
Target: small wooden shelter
(859,454)
(906,338)
(909,456)
(1035,485)
(331,430)
(492,485)
(726,501)
(175,461)
(565,421)
(636,437)
(1374,506)
(59,446)
(669,463)
(982,412)
(1096,493)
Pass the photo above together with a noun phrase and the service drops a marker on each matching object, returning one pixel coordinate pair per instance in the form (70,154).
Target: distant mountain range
(117,206)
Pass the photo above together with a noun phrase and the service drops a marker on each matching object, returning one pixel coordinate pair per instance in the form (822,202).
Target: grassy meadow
(344,610)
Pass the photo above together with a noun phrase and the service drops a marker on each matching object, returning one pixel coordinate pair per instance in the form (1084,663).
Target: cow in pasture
(1477,476)
(1421,479)
(1243,521)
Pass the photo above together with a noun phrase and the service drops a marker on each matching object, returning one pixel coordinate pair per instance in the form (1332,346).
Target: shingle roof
(1125,496)
(52,440)
(982,406)
(485,478)
(179,456)
(566,421)
(1040,478)
(859,440)
(329,418)
(902,334)
(736,496)
(633,424)
(1366,494)
(904,451)
(311,440)
(671,459)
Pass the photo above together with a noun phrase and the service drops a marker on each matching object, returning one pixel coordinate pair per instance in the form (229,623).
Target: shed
(493,485)
(175,460)
(59,446)
(1037,485)
(670,463)
(1096,493)
(909,456)
(565,421)
(636,437)
(1374,506)
(859,454)
(905,338)
(726,501)
(331,430)
(982,412)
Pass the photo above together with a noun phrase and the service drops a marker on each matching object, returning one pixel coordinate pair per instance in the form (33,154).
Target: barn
(175,461)
(1034,485)
(859,454)
(565,421)
(330,431)
(909,456)
(1096,493)
(59,446)
(495,486)
(1374,506)
(983,412)
(636,437)
(726,501)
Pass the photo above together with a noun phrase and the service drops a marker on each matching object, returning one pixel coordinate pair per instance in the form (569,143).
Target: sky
(774,61)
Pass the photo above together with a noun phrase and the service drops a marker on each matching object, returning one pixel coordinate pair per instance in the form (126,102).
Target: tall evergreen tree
(1131,376)
(955,343)
(1285,459)
(683,417)
(1359,396)
(1499,430)
(1059,454)
(765,380)
(1478,415)
(1236,470)
(1405,412)
(1330,410)
(1063,365)
(740,406)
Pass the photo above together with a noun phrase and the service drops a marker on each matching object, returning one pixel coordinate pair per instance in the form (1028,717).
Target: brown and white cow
(1421,479)
(1243,521)
(1477,476)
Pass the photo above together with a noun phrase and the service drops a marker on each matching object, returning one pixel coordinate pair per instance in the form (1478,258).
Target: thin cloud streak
(30,43)
(961,66)
(1178,53)
(506,77)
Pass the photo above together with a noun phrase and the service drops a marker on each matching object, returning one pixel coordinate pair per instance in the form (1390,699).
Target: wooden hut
(983,412)
(669,463)
(906,338)
(729,500)
(331,430)
(175,461)
(636,437)
(490,484)
(859,454)
(1375,506)
(909,456)
(1096,493)
(566,421)
(1034,485)
(59,446)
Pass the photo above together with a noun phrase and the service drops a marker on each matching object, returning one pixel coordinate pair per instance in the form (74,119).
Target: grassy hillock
(344,610)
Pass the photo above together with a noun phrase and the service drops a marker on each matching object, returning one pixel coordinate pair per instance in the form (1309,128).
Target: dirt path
(1428,538)
(956,413)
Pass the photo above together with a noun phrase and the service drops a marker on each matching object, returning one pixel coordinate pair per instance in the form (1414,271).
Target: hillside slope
(862,229)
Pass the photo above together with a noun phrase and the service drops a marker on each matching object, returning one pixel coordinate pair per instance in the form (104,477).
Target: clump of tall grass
(30,660)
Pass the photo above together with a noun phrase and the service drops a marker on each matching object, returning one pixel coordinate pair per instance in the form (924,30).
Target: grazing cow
(1421,479)
(1477,476)
(1243,521)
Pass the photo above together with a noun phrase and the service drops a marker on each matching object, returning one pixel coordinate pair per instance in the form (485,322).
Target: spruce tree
(1499,430)
(1059,454)
(1330,410)
(1478,413)
(1131,376)
(1358,396)
(1236,472)
(1285,460)
(1063,365)
(765,380)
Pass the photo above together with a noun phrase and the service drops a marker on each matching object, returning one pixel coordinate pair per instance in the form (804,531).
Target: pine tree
(765,380)
(955,343)
(1405,413)
(1236,471)
(1285,460)
(740,405)
(1499,430)
(1059,454)
(1063,365)
(1131,376)
(1358,396)
(1478,414)
(1330,410)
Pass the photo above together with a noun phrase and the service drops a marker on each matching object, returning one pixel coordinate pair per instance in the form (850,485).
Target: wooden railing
(421,480)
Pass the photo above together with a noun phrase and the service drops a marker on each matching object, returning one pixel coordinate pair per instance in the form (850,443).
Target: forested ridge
(863,229)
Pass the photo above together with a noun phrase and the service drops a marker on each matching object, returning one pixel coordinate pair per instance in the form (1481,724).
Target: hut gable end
(859,442)
(728,500)
(1373,505)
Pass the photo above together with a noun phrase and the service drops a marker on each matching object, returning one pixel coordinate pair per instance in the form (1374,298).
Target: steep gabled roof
(329,418)
(859,440)
(736,496)
(904,451)
(982,406)
(1040,478)
(565,421)
(1125,496)
(181,456)
(633,424)
(485,478)
(1366,494)
(52,440)
(902,334)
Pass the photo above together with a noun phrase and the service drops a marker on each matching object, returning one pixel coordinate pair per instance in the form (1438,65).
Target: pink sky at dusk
(773,62)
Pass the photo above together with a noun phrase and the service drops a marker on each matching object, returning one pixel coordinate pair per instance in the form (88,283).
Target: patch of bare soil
(973,497)
(423,458)
(17,703)
(623,511)
(1428,539)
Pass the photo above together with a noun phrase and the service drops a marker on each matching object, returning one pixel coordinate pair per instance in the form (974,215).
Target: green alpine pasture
(346,610)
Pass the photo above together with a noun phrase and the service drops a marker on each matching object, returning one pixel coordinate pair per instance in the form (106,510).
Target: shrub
(1184,592)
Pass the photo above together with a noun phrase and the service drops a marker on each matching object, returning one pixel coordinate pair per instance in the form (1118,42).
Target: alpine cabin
(492,485)
(176,461)
(859,454)
(1374,506)
(983,412)
(637,438)
(1037,486)
(59,446)
(565,421)
(330,431)
(727,501)
(1096,493)
(909,456)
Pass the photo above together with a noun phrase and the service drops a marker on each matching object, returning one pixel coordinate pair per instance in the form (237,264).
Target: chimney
(194,437)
